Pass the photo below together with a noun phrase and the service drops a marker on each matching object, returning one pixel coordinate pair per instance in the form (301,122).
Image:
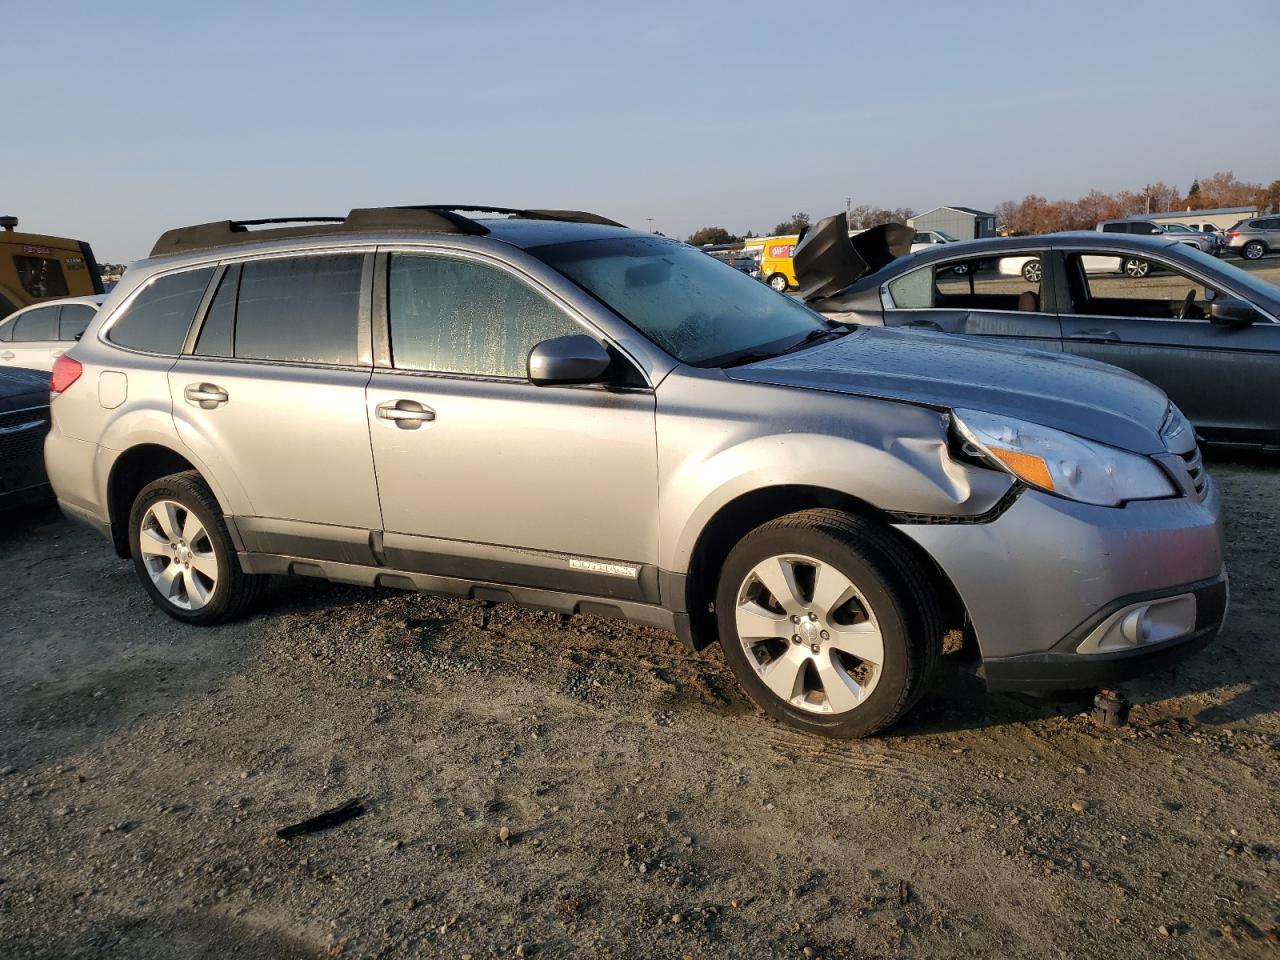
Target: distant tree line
(1036,214)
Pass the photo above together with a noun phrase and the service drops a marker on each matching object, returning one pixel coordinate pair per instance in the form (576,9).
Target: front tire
(779,282)
(1137,268)
(1253,250)
(829,624)
(183,554)
(1032,271)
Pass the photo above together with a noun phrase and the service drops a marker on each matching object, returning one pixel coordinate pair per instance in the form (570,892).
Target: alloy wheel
(178,554)
(1032,271)
(809,633)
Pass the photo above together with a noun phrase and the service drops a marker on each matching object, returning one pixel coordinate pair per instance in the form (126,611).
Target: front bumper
(1039,577)
(1062,668)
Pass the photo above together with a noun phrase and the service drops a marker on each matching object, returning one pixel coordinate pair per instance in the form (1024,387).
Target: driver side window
(1115,286)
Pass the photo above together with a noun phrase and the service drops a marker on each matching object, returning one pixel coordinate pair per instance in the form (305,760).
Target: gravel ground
(543,788)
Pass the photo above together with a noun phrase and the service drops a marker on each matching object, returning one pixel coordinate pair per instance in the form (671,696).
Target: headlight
(1061,463)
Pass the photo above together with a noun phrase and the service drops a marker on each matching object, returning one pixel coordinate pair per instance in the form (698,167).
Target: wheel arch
(132,470)
(749,510)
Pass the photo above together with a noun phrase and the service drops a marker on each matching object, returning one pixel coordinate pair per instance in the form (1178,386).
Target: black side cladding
(827,259)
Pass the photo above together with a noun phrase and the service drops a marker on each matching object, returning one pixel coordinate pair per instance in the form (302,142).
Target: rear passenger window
(158,318)
(459,316)
(1113,228)
(219,323)
(303,309)
(35,325)
(75,317)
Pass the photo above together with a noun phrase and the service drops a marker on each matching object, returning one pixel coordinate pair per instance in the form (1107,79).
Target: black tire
(233,591)
(779,282)
(960,270)
(1136,269)
(896,587)
(1032,271)
(1253,250)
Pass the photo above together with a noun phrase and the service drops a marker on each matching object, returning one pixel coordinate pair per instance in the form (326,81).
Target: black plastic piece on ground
(1110,708)
(323,821)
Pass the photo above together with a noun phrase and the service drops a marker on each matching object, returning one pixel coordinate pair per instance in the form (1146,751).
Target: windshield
(1244,280)
(1177,228)
(946,236)
(700,311)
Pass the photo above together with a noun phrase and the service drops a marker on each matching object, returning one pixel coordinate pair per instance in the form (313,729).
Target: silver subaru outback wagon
(546,408)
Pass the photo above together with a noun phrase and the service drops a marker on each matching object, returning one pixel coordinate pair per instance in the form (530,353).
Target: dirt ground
(650,810)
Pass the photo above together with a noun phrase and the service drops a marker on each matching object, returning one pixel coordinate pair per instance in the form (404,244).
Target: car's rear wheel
(183,554)
(1253,250)
(1032,271)
(779,282)
(960,269)
(1137,268)
(829,624)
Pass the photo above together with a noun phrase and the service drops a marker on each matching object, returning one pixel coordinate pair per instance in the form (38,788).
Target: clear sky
(123,119)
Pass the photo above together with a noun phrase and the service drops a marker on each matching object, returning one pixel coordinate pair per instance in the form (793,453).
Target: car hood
(1079,396)
(21,388)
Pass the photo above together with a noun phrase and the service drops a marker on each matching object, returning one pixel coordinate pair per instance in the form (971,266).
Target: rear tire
(779,282)
(1032,271)
(1253,250)
(1137,268)
(183,554)
(853,595)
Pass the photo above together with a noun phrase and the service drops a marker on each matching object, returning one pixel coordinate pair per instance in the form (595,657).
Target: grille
(1195,467)
(21,448)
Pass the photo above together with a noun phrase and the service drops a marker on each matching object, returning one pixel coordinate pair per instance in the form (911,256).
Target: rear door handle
(7,355)
(1096,336)
(405,414)
(206,396)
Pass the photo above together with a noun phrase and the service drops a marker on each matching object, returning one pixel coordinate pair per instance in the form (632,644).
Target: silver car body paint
(616,485)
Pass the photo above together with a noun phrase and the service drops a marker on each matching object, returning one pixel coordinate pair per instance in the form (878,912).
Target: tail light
(1232,234)
(66,371)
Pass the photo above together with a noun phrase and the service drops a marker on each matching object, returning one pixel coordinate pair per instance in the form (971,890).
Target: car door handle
(206,396)
(7,355)
(1095,336)
(925,325)
(405,414)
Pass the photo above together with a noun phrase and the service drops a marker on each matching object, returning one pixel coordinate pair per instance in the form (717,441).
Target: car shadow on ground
(184,936)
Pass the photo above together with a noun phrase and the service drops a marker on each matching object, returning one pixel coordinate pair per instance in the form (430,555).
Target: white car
(1031,271)
(32,338)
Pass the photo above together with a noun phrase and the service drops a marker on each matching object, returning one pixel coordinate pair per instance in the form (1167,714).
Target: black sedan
(1204,330)
(24,421)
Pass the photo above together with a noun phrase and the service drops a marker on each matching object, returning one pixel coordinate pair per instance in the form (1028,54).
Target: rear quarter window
(157,319)
(914,290)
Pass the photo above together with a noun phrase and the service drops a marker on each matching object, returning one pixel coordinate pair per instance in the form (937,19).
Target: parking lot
(545,788)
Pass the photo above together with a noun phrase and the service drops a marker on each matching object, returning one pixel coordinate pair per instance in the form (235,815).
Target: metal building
(963,223)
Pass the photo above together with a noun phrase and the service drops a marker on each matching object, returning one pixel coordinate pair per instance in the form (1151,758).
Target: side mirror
(1232,313)
(573,359)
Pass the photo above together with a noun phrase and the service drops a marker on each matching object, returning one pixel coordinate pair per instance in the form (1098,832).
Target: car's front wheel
(779,282)
(183,554)
(1253,250)
(828,623)
(1032,271)
(1137,268)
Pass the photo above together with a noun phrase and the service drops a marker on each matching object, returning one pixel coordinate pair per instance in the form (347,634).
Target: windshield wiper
(810,338)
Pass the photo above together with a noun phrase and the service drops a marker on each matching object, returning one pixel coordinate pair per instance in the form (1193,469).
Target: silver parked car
(547,408)
(33,338)
(1254,239)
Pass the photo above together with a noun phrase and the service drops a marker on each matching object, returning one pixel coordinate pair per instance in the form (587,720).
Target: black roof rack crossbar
(430,218)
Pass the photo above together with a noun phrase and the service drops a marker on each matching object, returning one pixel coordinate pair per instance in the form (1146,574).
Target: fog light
(1140,624)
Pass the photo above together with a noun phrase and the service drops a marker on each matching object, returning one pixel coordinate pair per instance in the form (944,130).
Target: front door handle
(7,355)
(1096,336)
(925,325)
(206,396)
(405,414)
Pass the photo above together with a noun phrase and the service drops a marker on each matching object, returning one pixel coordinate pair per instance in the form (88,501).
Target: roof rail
(432,218)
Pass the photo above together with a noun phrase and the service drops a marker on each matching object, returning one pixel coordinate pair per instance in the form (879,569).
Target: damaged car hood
(1072,394)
